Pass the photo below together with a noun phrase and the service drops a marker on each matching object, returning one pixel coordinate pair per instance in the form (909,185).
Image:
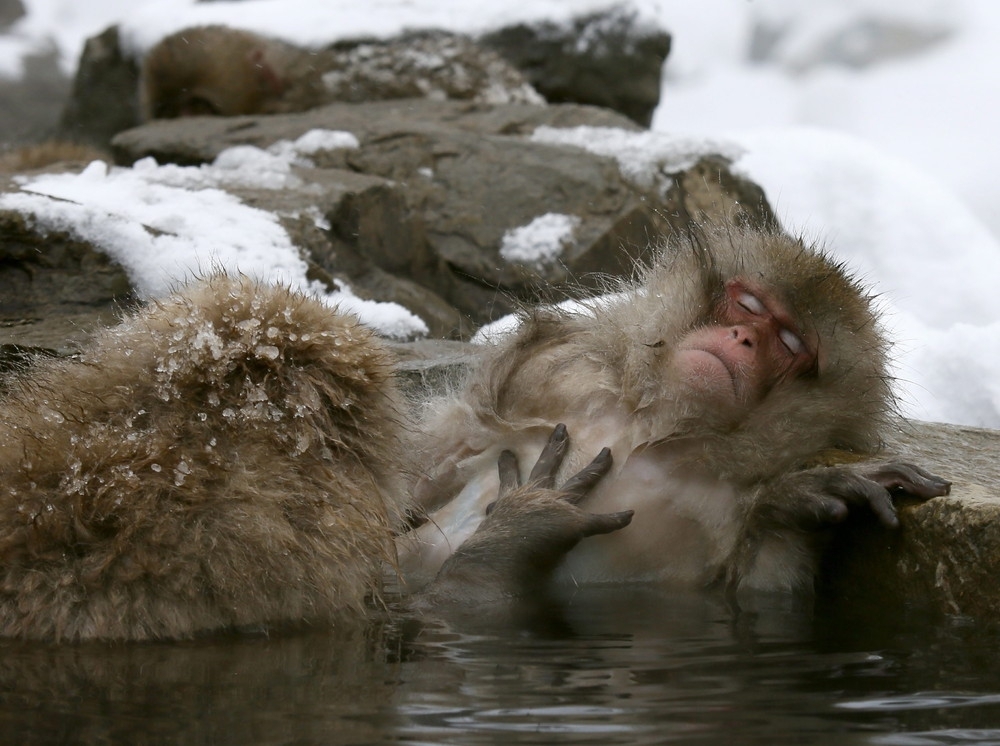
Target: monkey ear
(265,72)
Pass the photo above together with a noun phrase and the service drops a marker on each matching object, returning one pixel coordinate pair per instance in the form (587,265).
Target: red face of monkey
(755,344)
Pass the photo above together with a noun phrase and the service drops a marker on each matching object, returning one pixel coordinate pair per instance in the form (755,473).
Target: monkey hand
(527,530)
(825,495)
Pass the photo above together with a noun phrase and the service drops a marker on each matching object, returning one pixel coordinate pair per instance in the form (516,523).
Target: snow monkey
(737,383)
(218,70)
(226,458)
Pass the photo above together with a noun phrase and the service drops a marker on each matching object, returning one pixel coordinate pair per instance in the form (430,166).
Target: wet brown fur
(227,457)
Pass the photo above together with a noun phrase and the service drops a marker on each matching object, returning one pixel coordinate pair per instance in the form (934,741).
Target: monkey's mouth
(709,371)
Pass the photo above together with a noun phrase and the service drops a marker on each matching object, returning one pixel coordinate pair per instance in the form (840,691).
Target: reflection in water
(609,666)
(922,701)
(227,690)
(941,738)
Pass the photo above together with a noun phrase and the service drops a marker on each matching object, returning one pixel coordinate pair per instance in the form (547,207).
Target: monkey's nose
(743,335)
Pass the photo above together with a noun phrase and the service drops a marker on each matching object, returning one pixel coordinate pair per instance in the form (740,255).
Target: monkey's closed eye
(752,304)
(791,341)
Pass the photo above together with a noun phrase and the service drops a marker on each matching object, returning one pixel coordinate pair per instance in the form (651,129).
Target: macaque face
(752,344)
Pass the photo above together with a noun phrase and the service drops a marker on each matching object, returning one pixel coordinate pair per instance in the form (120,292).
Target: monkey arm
(526,532)
(788,513)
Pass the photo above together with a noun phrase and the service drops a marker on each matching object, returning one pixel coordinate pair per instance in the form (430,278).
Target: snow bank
(167,224)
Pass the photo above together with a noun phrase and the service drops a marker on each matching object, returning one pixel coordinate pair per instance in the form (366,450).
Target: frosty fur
(225,458)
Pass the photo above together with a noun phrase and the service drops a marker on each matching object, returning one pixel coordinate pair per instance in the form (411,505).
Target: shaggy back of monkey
(226,458)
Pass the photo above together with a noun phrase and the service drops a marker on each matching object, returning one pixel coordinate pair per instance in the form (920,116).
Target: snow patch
(647,159)
(317,140)
(540,242)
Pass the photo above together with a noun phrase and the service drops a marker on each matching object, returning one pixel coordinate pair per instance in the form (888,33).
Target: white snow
(315,141)
(540,242)
(166,224)
(496,331)
(907,191)
(645,158)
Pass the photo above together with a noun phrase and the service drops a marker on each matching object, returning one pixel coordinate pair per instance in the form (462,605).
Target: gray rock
(103,100)
(430,64)
(363,221)
(54,291)
(474,188)
(198,140)
(605,59)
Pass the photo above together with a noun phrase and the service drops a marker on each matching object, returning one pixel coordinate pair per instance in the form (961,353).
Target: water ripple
(920,701)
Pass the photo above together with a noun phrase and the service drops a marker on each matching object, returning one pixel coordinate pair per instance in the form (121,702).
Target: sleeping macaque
(217,70)
(738,385)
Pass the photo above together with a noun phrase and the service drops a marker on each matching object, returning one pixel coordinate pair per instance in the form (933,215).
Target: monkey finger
(910,479)
(858,489)
(510,478)
(584,480)
(831,510)
(605,523)
(880,501)
(885,510)
(544,472)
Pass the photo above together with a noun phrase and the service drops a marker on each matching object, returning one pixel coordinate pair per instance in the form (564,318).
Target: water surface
(609,666)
